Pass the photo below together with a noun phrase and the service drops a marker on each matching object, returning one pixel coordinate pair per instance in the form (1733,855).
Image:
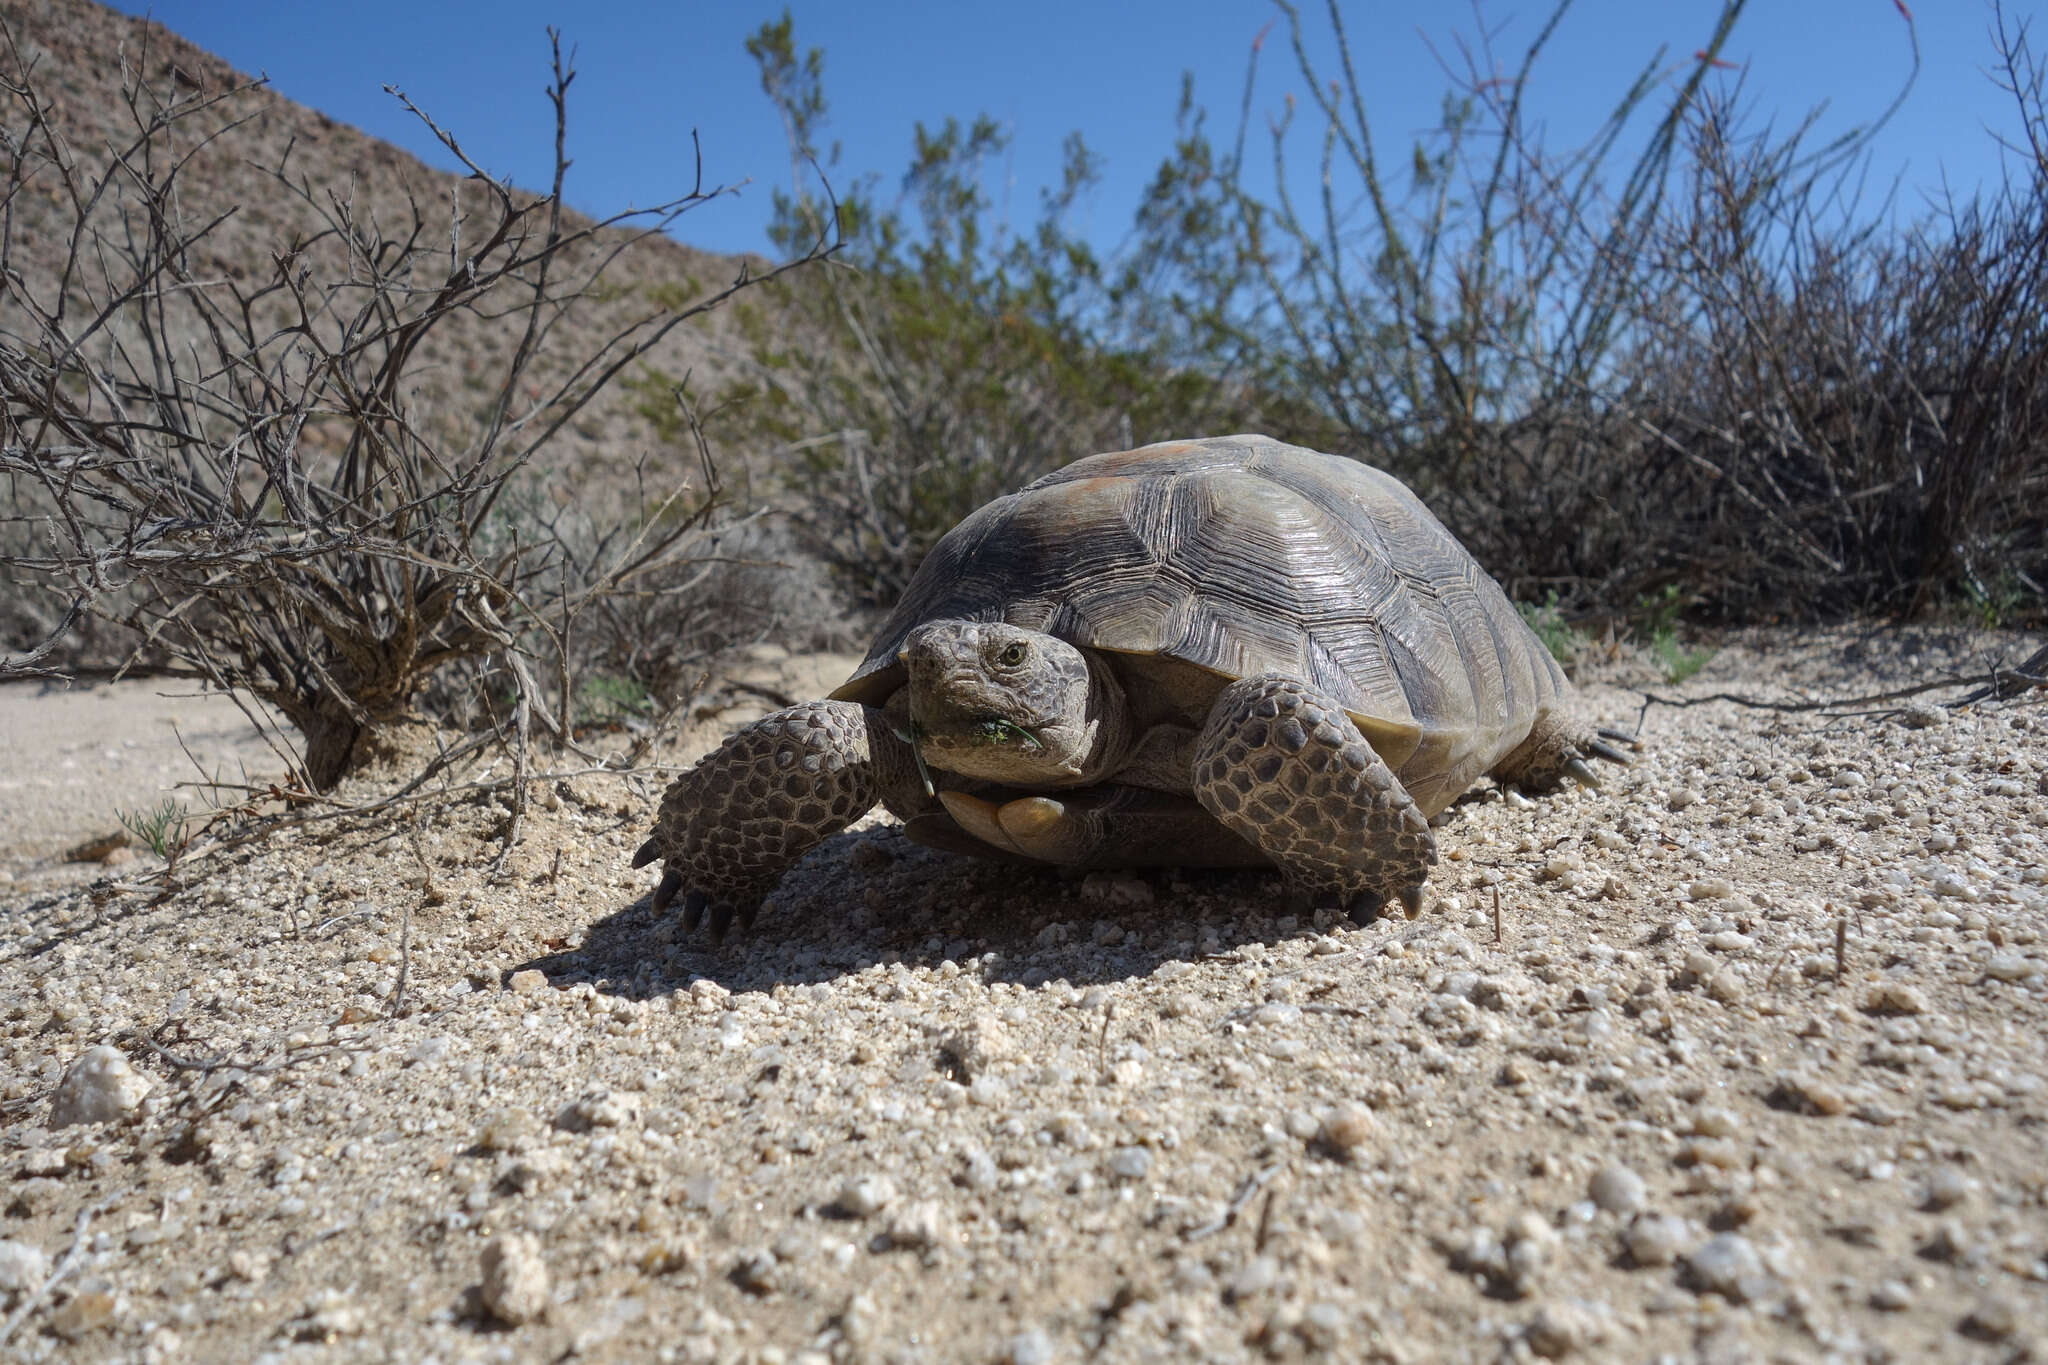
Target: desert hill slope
(80,54)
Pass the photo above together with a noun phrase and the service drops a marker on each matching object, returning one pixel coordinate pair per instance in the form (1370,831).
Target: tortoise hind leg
(1554,751)
(1284,767)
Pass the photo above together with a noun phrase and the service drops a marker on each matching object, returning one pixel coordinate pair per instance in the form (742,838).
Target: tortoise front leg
(733,825)
(1283,766)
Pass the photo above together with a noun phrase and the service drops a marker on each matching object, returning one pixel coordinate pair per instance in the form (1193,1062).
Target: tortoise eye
(1012,655)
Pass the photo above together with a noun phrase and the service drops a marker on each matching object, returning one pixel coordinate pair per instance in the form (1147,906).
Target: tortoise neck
(1110,728)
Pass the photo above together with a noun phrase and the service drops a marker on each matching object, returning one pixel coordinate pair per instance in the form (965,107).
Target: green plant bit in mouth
(994,731)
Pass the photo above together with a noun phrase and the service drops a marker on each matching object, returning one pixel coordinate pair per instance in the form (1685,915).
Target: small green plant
(1659,611)
(1564,643)
(160,828)
(1994,605)
(605,698)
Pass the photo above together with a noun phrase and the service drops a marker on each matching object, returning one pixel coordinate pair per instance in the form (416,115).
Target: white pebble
(1715,1123)
(1130,1163)
(1728,1265)
(864,1195)
(1947,1187)
(1347,1128)
(1682,798)
(1711,889)
(2011,967)
(1654,1238)
(515,1279)
(917,1225)
(1258,1274)
(1894,997)
(1561,1329)
(1029,1348)
(1617,1189)
(23,1267)
(99,1087)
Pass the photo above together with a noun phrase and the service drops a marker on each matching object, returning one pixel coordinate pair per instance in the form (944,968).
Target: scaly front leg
(1284,767)
(733,825)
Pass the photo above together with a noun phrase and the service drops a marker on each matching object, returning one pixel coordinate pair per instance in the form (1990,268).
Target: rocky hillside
(263,164)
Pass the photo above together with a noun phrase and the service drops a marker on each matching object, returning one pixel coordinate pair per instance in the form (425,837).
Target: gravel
(1750,1075)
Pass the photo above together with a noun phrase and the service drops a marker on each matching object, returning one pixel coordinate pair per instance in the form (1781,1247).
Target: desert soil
(1737,1058)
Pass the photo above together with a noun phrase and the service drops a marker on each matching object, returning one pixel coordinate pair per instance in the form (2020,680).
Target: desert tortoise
(1216,652)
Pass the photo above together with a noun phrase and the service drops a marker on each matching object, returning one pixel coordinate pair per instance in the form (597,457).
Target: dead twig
(397,1006)
(1247,1189)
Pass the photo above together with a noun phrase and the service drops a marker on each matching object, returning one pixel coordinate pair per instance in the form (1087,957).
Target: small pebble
(865,1195)
(1726,986)
(2011,967)
(515,1279)
(23,1267)
(1257,1275)
(1682,798)
(1653,1239)
(1946,1188)
(1894,997)
(83,1314)
(1728,1265)
(1029,1348)
(99,1087)
(1562,1329)
(1710,888)
(1892,1296)
(1617,1189)
(330,1314)
(528,981)
(1805,1093)
(1993,1319)
(1347,1128)
(918,1225)
(1715,1123)
(1130,1163)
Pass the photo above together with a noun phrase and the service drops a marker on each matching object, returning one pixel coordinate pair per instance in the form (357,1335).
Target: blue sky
(649,74)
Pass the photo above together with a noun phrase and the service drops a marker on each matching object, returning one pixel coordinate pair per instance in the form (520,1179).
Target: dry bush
(239,466)
(1710,376)
(1851,419)
(945,359)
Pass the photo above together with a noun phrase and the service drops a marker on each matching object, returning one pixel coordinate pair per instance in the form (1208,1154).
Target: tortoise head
(1009,705)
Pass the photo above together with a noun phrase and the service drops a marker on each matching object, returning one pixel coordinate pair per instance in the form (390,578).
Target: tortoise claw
(699,910)
(721,922)
(1411,901)
(1576,769)
(1365,907)
(647,853)
(1601,749)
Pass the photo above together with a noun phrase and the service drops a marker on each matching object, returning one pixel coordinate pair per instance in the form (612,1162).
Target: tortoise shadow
(873,897)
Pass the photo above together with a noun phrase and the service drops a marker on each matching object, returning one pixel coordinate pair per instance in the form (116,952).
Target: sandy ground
(72,758)
(1746,1065)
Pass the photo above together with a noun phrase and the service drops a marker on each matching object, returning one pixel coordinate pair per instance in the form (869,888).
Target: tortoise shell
(1241,555)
